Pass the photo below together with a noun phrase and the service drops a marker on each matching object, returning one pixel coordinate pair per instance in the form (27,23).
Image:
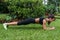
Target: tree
(56,3)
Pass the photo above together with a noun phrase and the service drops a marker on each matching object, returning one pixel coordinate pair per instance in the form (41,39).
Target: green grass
(30,32)
(3,15)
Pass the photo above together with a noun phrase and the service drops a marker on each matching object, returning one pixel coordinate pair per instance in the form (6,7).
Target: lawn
(30,32)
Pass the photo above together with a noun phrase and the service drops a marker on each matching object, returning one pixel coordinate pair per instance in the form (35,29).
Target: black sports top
(41,21)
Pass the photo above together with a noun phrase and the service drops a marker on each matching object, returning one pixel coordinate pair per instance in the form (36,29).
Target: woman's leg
(11,23)
(27,21)
(24,22)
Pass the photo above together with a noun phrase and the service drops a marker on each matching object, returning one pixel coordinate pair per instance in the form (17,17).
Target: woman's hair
(51,16)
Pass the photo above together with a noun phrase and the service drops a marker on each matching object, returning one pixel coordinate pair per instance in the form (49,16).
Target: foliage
(24,9)
(3,7)
(55,3)
(50,9)
(5,18)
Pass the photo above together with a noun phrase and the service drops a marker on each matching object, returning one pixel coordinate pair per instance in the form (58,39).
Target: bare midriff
(37,20)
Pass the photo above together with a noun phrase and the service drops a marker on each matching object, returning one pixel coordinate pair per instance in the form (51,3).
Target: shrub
(3,7)
(26,9)
(22,9)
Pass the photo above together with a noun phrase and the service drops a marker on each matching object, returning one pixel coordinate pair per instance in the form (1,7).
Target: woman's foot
(5,26)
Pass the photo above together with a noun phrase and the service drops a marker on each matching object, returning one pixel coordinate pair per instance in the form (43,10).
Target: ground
(30,32)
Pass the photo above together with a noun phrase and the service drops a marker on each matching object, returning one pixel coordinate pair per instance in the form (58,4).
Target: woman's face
(51,19)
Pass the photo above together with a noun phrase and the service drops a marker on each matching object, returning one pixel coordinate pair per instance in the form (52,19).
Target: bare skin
(12,23)
(45,27)
(15,23)
(44,24)
(37,21)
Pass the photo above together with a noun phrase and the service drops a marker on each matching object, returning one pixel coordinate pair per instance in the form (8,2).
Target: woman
(40,20)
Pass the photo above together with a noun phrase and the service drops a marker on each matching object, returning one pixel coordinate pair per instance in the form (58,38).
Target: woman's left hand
(53,28)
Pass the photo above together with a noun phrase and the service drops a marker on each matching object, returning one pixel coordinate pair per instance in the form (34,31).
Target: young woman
(40,20)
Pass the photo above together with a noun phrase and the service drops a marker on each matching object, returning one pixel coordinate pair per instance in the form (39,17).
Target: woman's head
(51,17)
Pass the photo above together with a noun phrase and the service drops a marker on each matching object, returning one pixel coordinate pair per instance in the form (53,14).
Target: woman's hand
(52,28)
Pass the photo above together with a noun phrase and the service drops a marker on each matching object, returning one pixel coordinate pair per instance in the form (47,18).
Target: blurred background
(14,10)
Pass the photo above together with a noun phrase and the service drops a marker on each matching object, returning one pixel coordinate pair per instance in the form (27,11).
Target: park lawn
(30,32)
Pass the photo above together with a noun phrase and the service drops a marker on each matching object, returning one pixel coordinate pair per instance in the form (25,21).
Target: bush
(26,9)
(3,7)
(4,18)
(50,9)
(22,9)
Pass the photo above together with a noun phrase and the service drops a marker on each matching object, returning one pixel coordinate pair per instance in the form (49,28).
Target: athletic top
(41,20)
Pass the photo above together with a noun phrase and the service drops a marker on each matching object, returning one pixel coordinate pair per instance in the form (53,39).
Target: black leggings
(27,21)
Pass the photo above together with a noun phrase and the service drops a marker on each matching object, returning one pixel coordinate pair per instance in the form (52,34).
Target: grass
(30,32)
(3,15)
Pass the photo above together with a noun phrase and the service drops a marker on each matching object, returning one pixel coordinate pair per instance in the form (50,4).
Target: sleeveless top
(41,21)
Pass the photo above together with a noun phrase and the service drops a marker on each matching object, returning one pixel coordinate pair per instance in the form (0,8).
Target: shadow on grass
(28,28)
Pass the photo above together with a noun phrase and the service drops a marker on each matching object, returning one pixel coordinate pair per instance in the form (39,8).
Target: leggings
(27,21)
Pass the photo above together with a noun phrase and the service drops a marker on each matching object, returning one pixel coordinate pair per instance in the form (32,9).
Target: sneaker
(5,26)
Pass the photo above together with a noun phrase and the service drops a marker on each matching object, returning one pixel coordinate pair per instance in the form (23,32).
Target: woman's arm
(45,27)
